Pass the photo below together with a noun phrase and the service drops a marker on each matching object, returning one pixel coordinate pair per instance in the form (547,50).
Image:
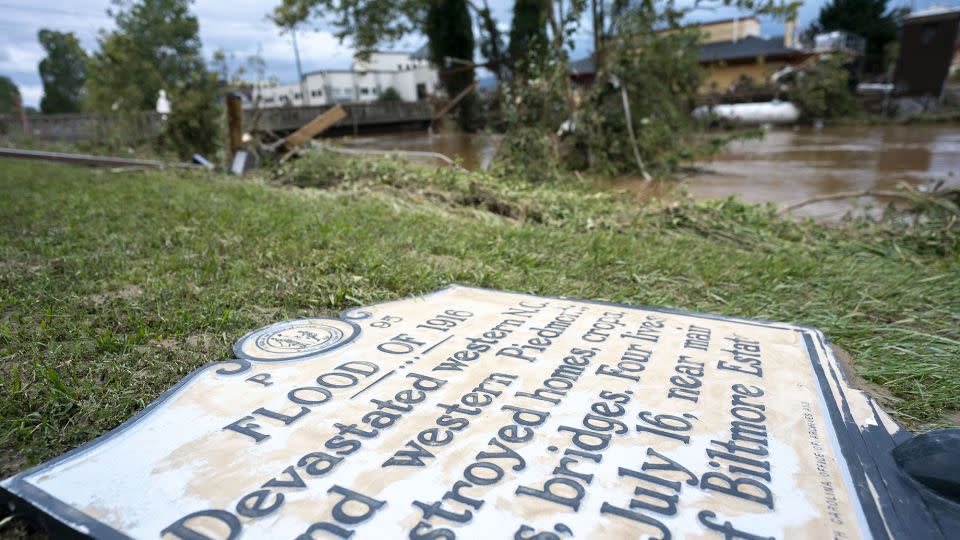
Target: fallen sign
(485,414)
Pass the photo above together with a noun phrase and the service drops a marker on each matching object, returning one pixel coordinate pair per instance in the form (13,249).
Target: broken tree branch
(851,195)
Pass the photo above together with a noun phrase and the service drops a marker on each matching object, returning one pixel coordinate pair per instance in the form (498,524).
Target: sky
(240,27)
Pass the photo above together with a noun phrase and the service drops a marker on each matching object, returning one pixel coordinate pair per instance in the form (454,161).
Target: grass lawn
(114,285)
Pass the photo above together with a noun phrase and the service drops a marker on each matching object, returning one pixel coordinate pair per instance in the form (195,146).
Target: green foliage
(661,74)
(449,30)
(372,23)
(194,123)
(823,90)
(891,52)
(746,83)
(869,19)
(63,72)
(368,23)
(528,33)
(156,45)
(390,95)
(9,95)
(491,42)
(535,106)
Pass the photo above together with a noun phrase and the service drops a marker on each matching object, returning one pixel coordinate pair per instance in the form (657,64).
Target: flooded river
(787,166)
(473,150)
(792,165)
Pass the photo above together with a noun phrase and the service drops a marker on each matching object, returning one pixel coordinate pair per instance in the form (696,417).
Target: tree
(195,117)
(449,31)
(390,95)
(869,19)
(658,74)
(446,23)
(491,42)
(822,91)
(368,23)
(63,72)
(528,32)
(540,103)
(9,95)
(156,45)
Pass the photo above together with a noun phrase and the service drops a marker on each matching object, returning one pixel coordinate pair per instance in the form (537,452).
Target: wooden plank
(314,127)
(234,125)
(453,102)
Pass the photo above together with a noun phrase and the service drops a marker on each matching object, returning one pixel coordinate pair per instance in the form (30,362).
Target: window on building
(399,67)
(365,91)
(297,95)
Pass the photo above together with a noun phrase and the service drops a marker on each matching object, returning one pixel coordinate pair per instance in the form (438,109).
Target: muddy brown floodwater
(473,150)
(792,165)
(787,166)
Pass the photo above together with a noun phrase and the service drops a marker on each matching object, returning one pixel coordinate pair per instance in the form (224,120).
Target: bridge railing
(359,114)
(99,127)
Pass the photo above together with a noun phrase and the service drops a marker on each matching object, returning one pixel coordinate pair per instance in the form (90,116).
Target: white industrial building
(410,74)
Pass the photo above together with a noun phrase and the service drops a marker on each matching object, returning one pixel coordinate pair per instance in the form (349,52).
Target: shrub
(823,90)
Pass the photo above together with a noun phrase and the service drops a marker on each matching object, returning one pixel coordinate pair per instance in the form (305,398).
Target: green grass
(113,286)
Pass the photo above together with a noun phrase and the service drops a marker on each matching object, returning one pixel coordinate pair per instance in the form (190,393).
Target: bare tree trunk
(601,45)
(554,27)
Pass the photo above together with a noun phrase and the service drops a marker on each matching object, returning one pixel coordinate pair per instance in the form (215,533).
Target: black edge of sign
(897,511)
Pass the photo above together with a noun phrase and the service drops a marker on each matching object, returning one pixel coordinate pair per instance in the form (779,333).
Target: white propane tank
(768,112)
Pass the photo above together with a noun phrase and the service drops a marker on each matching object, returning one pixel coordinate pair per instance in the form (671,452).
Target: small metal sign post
(472,413)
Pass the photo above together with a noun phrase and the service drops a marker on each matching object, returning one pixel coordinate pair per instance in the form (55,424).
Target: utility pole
(304,99)
(235,125)
(18,104)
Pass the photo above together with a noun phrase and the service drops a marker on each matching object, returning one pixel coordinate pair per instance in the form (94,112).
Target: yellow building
(730,49)
(734,48)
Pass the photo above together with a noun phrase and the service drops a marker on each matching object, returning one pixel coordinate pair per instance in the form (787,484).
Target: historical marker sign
(473,413)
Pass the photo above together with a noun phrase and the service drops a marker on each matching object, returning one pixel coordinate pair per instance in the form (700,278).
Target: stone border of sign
(894,504)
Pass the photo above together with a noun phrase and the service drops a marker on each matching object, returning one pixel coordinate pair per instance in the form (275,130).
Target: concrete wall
(94,127)
(88,127)
(359,114)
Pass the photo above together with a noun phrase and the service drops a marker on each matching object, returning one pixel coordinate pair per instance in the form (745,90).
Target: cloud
(31,94)
(20,58)
(318,50)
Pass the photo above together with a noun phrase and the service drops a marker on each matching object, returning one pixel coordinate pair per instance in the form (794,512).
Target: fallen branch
(629,119)
(850,195)
(375,152)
